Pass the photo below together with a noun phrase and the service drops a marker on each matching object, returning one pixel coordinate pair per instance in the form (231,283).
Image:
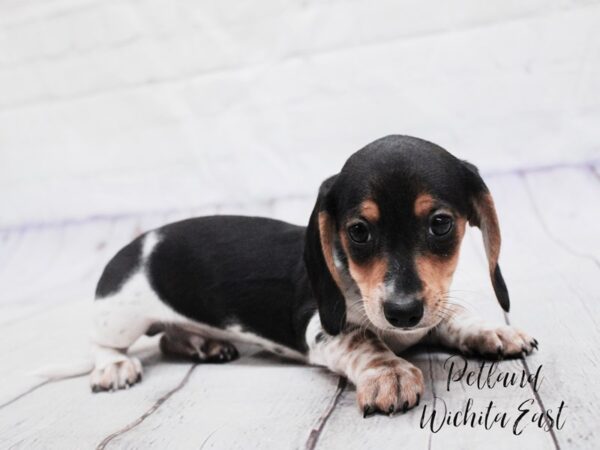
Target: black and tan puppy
(379,252)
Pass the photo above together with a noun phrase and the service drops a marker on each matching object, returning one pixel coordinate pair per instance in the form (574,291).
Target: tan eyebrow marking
(435,272)
(368,276)
(423,204)
(369,210)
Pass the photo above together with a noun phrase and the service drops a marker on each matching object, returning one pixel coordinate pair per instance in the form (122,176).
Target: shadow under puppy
(370,274)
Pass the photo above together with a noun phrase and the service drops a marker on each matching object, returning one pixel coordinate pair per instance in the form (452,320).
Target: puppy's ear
(318,257)
(483,215)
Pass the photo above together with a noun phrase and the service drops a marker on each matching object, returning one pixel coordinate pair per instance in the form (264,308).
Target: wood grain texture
(66,415)
(552,276)
(550,261)
(250,403)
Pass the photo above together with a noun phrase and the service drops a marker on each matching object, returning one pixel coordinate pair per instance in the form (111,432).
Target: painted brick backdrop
(111,107)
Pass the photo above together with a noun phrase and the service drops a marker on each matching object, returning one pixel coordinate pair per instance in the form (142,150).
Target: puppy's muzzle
(405,312)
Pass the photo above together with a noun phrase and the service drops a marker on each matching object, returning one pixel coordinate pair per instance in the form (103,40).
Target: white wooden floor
(551,261)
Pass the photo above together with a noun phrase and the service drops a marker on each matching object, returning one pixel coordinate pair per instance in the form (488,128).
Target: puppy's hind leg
(118,321)
(115,328)
(181,343)
(114,370)
(126,307)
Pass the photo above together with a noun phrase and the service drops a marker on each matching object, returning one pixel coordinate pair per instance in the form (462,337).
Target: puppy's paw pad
(499,342)
(219,351)
(389,388)
(117,375)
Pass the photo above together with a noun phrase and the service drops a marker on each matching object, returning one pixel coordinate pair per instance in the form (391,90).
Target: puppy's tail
(67,370)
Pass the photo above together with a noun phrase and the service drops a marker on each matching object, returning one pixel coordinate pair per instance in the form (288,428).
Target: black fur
(332,306)
(271,277)
(224,270)
(500,289)
(119,269)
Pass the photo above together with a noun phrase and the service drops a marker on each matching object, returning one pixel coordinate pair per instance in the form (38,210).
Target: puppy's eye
(441,224)
(359,232)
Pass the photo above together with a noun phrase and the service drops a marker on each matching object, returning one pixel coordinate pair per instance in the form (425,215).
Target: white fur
(470,334)
(239,334)
(382,379)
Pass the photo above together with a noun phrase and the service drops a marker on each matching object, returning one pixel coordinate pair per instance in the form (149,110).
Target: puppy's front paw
(389,387)
(498,342)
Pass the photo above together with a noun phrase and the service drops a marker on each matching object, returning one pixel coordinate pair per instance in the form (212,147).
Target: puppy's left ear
(318,258)
(483,215)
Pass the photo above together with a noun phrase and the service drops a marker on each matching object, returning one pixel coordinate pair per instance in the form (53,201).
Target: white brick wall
(118,106)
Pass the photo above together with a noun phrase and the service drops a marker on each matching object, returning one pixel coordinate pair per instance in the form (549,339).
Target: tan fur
(354,342)
(369,278)
(369,210)
(423,205)
(490,229)
(378,362)
(436,272)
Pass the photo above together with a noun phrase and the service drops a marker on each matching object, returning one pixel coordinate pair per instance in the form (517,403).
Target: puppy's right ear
(318,257)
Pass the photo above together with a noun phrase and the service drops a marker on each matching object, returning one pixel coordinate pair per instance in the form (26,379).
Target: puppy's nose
(405,313)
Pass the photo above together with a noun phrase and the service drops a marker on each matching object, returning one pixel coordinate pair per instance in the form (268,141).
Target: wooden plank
(251,403)
(66,414)
(566,202)
(554,293)
(58,335)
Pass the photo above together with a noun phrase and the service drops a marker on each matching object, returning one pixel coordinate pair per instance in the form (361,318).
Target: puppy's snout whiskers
(452,299)
(447,306)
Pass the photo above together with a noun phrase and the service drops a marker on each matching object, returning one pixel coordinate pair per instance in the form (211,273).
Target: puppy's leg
(115,329)
(384,382)
(179,342)
(470,334)
(113,370)
(118,321)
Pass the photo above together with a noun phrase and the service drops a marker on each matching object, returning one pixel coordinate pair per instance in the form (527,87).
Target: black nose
(405,313)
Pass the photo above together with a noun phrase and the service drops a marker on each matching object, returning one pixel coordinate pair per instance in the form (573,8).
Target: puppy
(369,274)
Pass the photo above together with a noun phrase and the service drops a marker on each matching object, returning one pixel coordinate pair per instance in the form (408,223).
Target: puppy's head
(388,228)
